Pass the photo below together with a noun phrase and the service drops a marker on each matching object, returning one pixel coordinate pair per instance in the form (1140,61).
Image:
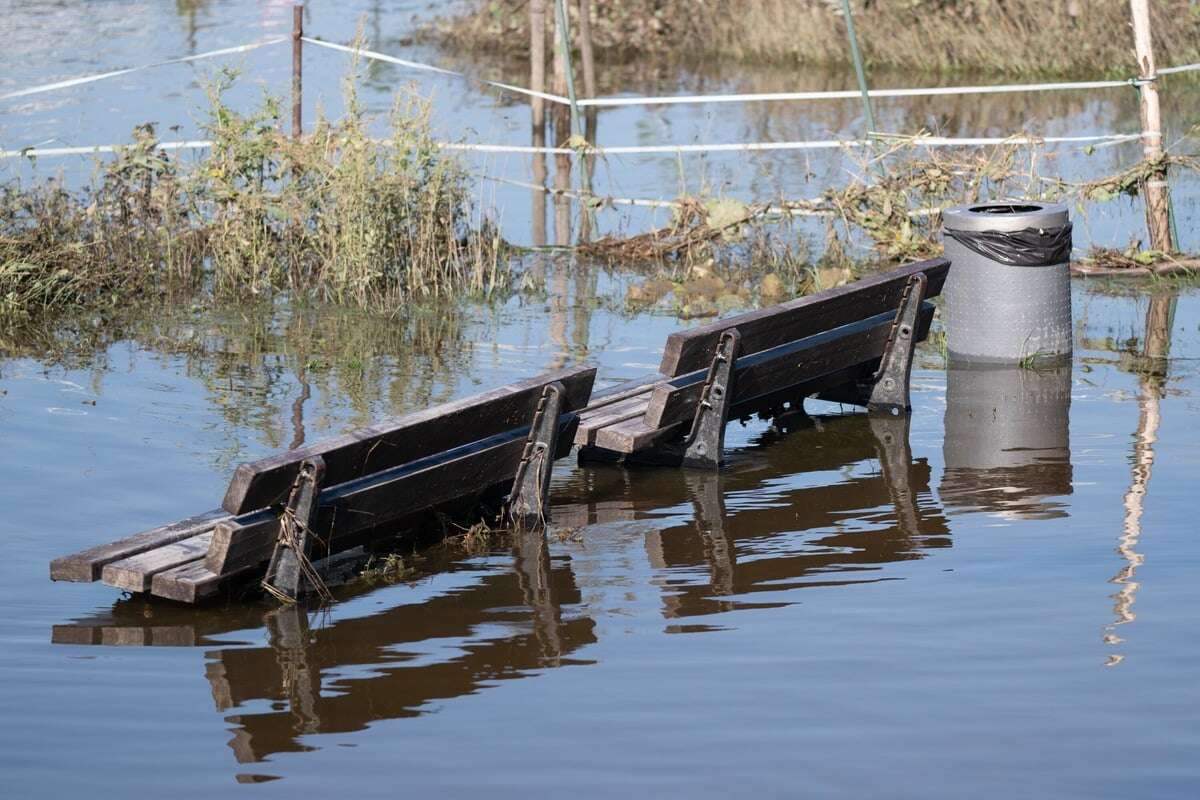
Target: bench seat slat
(605,416)
(87,565)
(134,574)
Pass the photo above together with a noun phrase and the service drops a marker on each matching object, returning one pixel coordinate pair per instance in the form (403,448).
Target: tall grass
(336,215)
(1012,36)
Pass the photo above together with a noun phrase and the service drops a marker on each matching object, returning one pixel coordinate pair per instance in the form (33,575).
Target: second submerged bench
(851,344)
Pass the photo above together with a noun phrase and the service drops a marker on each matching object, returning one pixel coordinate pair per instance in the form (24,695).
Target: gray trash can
(1008,294)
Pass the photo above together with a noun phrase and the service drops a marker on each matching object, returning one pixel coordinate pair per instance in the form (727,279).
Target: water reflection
(1007,446)
(347,673)
(827,506)
(1150,363)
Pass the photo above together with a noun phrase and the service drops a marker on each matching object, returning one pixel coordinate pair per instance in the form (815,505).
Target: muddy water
(998,600)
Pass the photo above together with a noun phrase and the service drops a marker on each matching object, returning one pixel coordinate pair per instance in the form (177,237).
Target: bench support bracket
(886,390)
(528,505)
(889,395)
(706,440)
(290,563)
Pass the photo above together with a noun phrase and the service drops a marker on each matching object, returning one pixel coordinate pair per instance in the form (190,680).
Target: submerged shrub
(336,214)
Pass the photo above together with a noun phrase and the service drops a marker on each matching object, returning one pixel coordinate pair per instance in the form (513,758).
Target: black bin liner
(1028,247)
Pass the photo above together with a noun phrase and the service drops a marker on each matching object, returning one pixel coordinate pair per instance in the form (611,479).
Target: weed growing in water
(335,215)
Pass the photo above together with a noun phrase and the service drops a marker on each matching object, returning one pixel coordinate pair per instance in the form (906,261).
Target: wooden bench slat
(382,498)
(691,350)
(620,411)
(266,482)
(763,379)
(135,573)
(188,583)
(86,565)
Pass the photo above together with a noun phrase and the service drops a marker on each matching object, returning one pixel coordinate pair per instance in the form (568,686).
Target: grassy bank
(337,215)
(1012,36)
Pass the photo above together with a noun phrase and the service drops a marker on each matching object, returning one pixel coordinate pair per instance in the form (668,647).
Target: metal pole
(858,68)
(560,10)
(297,66)
(1156,190)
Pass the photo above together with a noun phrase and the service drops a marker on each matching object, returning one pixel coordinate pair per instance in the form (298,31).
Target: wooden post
(1158,198)
(537,80)
(563,26)
(537,60)
(588,57)
(297,66)
(562,131)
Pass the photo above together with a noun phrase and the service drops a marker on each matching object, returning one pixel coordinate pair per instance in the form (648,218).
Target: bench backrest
(425,433)
(692,350)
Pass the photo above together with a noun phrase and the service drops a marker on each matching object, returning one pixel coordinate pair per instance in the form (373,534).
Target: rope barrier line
(417,65)
(667,149)
(116,73)
(847,94)
(601,102)
(791,208)
(1181,68)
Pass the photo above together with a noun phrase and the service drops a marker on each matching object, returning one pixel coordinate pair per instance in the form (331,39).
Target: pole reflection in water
(831,505)
(1150,365)
(1007,448)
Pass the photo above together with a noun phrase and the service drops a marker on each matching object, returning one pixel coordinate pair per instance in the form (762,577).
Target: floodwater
(996,598)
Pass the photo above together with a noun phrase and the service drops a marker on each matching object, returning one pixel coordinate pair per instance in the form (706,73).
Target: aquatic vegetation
(1015,36)
(337,215)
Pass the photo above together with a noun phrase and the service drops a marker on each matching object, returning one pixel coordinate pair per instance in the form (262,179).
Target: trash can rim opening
(1005,208)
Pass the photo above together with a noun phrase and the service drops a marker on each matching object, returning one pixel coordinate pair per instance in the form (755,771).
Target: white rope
(851,94)
(1181,68)
(846,94)
(820,144)
(45,152)
(673,149)
(554,98)
(115,73)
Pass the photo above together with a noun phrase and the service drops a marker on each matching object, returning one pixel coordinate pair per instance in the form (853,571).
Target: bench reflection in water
(831,504)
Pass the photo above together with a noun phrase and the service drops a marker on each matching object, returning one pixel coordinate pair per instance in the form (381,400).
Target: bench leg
(706,440)
(528,506)
(889,395)
(290,564)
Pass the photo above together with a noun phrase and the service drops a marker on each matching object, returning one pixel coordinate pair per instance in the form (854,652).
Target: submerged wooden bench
(852,344)
(284,511)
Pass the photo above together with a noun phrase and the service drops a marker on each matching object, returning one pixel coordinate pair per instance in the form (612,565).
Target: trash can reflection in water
(1007,448)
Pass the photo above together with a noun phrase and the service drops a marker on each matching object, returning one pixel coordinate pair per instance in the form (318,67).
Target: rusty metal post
(297,66)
